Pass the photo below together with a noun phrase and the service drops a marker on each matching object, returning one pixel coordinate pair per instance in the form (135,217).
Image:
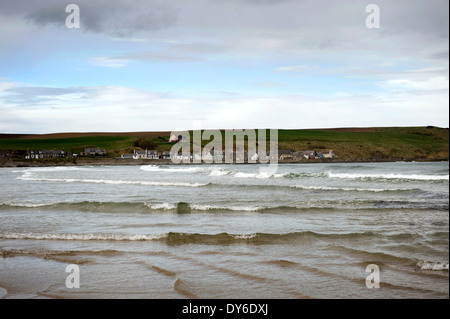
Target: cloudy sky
(149,65)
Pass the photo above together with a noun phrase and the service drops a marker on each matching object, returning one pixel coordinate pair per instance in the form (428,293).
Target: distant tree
(145,143)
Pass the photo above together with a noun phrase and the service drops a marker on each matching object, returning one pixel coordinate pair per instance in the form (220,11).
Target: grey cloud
(114,17)
(444,55)
(198,47)
(157,57)
(32,96)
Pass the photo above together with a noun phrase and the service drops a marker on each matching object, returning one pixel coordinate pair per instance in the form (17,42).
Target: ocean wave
(417,177)
(174,238)
(220,172)
(162,168)
(54,169)
(351,189)
(48,254)
(149,207)
(25,205)
(161,206)
(231,208)
(106,181)
(434,266)
(257,175)
(81,237)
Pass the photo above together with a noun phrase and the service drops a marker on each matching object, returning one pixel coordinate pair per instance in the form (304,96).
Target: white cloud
(6,85)
(293,68)
(438,83)
(109,62)
(119,108)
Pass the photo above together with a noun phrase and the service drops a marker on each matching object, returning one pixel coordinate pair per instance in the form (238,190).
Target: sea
(319,230)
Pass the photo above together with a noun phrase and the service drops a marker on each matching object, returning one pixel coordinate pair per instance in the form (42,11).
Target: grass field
(365,144)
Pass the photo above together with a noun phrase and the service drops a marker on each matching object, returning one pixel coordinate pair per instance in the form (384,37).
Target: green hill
(349,144)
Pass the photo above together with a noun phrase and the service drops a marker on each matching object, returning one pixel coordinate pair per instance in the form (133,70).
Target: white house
(181,156)
(152,154)
(146,154)
(328,154)
(139,154)
(166,155)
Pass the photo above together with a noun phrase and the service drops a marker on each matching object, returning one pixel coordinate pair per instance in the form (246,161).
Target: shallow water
(226,231)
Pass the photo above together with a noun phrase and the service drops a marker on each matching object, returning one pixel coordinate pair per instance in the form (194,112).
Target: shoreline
(128,162)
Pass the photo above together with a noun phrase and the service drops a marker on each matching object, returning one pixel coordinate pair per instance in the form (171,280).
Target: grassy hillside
(73,144)
(365,144)
(411,143)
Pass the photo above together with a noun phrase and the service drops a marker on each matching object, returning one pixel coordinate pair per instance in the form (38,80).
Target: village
(234,153)
(238,156)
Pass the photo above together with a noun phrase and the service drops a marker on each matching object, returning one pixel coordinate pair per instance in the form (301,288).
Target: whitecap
(232,208)
(114,182)
(161,206)
(389,176)
(435,266)
(82,237)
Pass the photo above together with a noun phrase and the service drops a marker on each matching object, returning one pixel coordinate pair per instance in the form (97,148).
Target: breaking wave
(149,207)
(257,175)
(162,168)
(352,189)
(108,181)
(80,237)
(434,266)
(54,169)
(417,177)
(174,238)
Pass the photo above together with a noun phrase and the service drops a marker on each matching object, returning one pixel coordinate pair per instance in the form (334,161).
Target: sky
(166,65)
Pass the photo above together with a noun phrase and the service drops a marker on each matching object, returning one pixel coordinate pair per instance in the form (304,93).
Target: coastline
(131,162)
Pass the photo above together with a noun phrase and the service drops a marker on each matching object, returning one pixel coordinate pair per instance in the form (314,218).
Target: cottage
(94,152)
(34,155)
(329,154)
(173,138)
(127,156)
(165,155)
(139,154)
(255,157)
(177,138)
(54,154)
(309,154)
(45,154)
(182,156)
(285,154)
(152,154)
(3,153)
(263,157)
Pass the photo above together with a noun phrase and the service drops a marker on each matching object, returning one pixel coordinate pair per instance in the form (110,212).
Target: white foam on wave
(261,175)
(203,207)
(54,169)
(249,236)
(156,168)
(389,176)
(28,205)
(232,208)
(435,266)
(106,181)
(82,237)
(219,172)
(161,206)
(348,189)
